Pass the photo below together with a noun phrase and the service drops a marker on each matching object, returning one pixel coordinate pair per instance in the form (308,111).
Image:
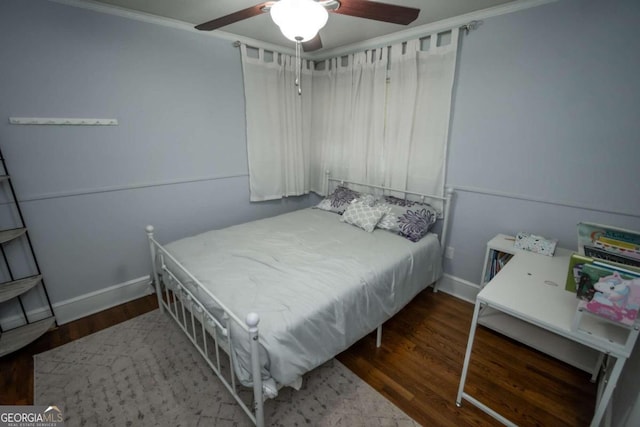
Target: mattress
(318,284)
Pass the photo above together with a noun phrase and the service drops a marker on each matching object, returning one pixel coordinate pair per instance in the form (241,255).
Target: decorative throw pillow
(409,219)
(338,200)
(367,199)
(360,214)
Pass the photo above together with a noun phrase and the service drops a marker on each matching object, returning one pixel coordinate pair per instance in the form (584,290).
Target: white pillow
(360,214)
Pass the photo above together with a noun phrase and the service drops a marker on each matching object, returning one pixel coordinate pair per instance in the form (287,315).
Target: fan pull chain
(298,65)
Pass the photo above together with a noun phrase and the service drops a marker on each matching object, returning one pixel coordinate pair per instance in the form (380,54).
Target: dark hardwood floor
(418,367)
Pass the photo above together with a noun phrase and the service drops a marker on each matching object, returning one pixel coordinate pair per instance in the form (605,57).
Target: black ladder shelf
(33,321)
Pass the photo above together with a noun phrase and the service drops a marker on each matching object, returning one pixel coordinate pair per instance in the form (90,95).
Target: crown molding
(171,23)
(432,28)
(412,33)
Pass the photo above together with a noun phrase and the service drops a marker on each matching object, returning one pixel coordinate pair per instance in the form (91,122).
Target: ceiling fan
(300,20)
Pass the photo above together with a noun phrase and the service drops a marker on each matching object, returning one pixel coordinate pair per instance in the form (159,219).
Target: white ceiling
(340,30)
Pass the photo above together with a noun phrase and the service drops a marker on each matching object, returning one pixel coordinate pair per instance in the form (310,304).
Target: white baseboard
(459,288)
(87,304)
(93,302)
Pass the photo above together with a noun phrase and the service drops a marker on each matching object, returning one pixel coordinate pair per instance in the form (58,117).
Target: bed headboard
(443,215)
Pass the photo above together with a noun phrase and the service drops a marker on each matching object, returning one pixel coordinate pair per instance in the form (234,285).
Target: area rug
(145,372)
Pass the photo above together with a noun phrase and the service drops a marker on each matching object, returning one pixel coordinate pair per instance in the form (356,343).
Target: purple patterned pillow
(338,200)
(409,219)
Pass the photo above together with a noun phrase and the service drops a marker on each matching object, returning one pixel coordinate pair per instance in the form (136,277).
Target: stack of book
(605,273)
(497,261)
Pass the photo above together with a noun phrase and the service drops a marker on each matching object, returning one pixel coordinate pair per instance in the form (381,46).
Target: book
(575,269)
(633,271)
(612,244)
(607,292)
(495,263)
(596,252)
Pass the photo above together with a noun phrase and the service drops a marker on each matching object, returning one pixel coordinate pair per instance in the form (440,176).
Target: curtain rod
(473,25)
(468,27)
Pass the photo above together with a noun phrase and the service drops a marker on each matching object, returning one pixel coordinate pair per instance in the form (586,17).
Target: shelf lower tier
(10,290)
(571,352)
(14,233)
(17,338)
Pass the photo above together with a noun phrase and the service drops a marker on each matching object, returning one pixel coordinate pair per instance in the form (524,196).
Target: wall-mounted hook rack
(62,121)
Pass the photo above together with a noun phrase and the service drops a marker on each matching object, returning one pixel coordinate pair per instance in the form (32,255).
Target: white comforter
(318,284)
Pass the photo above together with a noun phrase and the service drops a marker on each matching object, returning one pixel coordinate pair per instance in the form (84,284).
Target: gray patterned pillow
(367,199)
(412,220)
(338,200)
(360,214)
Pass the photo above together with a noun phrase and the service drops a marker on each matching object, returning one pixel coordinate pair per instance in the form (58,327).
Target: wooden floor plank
(417,367)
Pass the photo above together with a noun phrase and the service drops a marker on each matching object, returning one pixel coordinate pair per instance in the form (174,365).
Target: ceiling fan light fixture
(299,20)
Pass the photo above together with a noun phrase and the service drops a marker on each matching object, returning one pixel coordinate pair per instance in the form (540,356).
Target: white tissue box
(537,244)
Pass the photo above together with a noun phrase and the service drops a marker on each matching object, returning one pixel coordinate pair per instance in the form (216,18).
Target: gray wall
(547,106)
(176,160)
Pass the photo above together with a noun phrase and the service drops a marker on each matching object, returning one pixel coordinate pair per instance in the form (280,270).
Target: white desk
(531,288)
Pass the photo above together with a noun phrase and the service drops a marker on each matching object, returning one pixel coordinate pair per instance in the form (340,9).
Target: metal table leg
(467,356)
(603,401)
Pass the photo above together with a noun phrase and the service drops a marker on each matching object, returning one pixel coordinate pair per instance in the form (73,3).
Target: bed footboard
(206,332)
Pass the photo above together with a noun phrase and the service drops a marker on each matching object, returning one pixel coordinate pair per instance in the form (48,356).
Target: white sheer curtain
(348,118)
(418,110)
(277,122)
(396,134)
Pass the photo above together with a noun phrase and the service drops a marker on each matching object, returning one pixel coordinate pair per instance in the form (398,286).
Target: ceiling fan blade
(313,44)
(233,17)
(378,11)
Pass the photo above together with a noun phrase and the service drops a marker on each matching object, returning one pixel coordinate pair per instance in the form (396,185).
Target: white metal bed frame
(204,330)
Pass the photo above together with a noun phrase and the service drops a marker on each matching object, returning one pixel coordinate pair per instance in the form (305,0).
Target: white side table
(530,288)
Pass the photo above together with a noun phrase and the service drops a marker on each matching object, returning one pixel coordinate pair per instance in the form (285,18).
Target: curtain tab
(413,46)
